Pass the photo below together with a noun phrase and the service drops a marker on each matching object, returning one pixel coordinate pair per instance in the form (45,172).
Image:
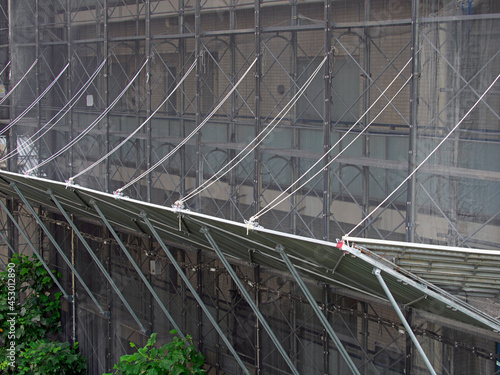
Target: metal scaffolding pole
(193,292)
(58,248)
(380,279)
(97,261)
(249,300)
(30,244)
(319,314)
(136,267)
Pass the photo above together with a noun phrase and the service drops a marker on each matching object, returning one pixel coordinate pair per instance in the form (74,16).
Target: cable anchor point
(252,224)
(117,194)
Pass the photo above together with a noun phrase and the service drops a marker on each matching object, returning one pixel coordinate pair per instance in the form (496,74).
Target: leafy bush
(178,357)
(44,357)
(36,317)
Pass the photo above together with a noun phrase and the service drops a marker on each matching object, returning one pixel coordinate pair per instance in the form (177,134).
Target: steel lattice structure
(358,94)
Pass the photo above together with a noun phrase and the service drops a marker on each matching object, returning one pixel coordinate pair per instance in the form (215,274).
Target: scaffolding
(367,121)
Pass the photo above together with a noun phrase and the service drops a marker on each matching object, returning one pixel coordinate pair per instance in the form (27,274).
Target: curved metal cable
(258,140)
(91,126)
(185,140)
(70,181)
(46,128)
(276,201)
(17,84)
(23,113)
(426,158)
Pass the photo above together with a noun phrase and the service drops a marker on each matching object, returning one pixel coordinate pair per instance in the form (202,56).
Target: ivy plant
(177,357)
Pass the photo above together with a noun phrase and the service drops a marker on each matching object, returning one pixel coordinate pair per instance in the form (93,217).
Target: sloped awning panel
(344,264)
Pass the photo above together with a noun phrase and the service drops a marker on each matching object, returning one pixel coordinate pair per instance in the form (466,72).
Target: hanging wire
(17,84)
(18,118)
(427,158)
(91,126)
(258,140)
(70,181)
(185,140)
(276,201)
(46,128)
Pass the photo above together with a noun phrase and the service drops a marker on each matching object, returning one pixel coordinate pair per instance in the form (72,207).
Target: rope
(71,103)
(70,181)
(185,140)
(17,84)
(91,126)
(18,118)
(277,199)
(278,119)
(427,158)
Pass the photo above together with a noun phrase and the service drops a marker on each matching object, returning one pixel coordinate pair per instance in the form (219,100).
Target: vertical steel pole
(326,324)
(149,146)
(181,106)
(326,118)
(199,114)
(412,150)
(366,120)
(394,304)
(69,117)
(193,292)
(295,161)
(249,300)
(258,73)
(106,93)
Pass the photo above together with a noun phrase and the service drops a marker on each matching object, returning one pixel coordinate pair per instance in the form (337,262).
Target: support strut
(97,262)
(193,292)
(249,300)
(380,279)
(319,314)
(136,267)
(58,248)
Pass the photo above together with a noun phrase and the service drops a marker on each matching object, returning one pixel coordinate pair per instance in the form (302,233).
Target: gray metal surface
(341,264)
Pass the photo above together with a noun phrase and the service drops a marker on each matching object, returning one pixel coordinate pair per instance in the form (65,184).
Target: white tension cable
(276,201)
(138,128)
(91,126)
(185,140)
(427,158)
(47,89)
(17,84)
(257,140)
(46,128)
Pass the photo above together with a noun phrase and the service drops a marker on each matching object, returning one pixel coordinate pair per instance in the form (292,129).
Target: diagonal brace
(97,261)
(380,279)
(317,310)
(136,267)
(193,292)
(249,300)
(58,248)
(30,244)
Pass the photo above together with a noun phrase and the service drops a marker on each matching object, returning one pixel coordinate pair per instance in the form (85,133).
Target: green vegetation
(27,324)
(178,357)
